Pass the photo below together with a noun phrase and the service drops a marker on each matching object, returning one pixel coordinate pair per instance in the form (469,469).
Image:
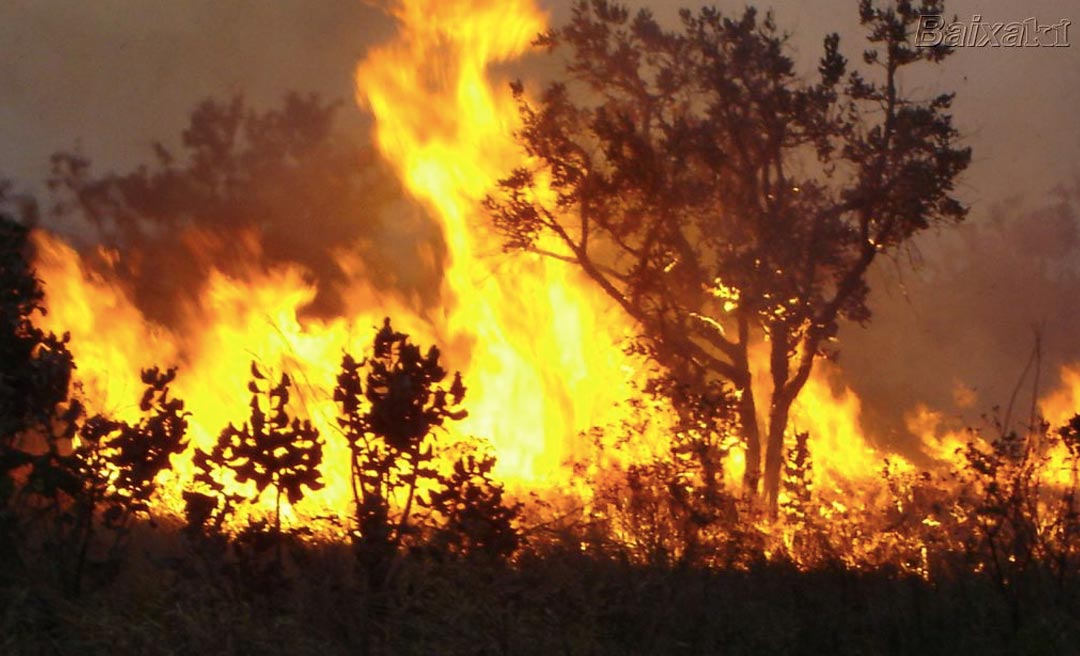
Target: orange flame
(542,345)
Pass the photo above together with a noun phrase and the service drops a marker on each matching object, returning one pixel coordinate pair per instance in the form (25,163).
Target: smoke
(106,82)
(249,191)
(956,332)
(115,75)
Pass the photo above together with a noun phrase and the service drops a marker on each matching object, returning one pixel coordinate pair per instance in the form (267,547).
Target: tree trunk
(747,409)
(774,450)
(785,388)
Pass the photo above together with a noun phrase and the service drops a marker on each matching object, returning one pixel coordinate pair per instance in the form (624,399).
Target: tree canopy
(720,198)
(287,184)
(35,366)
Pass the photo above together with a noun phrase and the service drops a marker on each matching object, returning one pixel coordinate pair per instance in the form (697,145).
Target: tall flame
(542,346)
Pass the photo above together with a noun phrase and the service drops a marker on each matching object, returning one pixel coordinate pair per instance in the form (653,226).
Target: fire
(539,349)
(1061,404)
(938,440)
(538,345)
(235,322)
(541,345)
(830,412)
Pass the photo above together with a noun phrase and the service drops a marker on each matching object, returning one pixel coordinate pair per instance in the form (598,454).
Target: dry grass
(552,602)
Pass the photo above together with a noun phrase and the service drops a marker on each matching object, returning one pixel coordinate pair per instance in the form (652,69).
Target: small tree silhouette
(35,376)
(478,521)
(390,438)
(272,449)
(110,476)
(35,366)
(38,418)
(141,451)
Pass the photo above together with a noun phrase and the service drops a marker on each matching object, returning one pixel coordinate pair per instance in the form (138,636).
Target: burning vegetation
(616,303)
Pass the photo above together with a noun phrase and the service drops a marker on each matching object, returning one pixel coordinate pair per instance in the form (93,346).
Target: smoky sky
(112,76)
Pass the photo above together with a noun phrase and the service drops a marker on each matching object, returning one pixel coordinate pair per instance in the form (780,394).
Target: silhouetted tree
(36,415)
(716,196)
(477,520)
(141,451)
(271,449)
(283,184)
(116,464)
(35,366)
(389,415)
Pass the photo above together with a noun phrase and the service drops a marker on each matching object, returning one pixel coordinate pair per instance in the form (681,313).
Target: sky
(112,76)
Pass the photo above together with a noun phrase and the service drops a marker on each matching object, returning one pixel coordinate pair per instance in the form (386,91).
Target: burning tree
(718,198)
(284,182)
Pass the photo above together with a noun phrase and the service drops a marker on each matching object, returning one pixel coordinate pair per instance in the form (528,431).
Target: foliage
(667,558)
(675,505)
(35,377)
(136,453)
(1022,520)
(798,480)
(105,480)
(800,508)
(391,403)
(477,521)
(668,561)
(388,417)
(270,450)
(35,366)
(716,196)
(281,184)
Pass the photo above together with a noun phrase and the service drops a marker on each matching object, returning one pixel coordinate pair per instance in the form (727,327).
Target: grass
(550,601)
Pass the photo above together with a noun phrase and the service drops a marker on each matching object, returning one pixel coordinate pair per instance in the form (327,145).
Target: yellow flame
(1060,405)
(542,346)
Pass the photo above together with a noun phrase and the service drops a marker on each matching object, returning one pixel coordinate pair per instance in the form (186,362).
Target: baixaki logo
(1027,33)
